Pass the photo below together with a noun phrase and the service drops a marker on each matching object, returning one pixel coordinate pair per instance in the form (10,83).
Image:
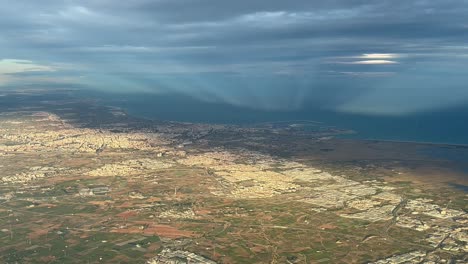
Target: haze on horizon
(368,57)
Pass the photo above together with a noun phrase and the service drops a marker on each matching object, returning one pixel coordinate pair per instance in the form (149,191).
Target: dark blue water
(443,126)
(460,187)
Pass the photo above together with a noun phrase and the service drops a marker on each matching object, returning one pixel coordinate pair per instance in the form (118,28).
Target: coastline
(354,136)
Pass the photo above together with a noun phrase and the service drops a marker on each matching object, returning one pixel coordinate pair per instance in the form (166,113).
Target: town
(180,194)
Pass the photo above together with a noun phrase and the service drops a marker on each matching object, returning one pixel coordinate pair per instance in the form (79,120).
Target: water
(460,187)
(456,154)
(444,126)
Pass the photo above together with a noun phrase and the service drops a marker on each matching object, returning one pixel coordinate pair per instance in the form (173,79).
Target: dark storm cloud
(264,53)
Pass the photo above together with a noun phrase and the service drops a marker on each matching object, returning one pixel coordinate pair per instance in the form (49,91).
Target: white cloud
(64,17)
(373,56)
(10,67)
(137,49)
(75,12)
(277,18)
(370,62)
(367,59)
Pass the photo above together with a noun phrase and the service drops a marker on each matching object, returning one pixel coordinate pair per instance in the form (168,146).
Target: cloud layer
(372,57)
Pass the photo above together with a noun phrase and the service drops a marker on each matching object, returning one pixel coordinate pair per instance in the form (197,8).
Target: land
(81,182)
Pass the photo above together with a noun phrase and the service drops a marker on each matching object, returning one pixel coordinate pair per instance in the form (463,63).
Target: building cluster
(168,256)
(131,167)
(241,175)
(446,228)
(50,132)
(34,173)
(178,214)
(416,257)
(90,191)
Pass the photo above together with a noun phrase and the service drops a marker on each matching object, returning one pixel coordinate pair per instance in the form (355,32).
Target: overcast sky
(389,57)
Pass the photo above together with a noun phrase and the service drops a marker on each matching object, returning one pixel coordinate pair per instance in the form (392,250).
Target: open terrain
(84,183)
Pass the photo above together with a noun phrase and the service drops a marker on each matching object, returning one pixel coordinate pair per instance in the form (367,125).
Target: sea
(445,126)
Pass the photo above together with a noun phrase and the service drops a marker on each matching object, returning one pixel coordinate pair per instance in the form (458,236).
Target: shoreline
(451,144)
(346,137)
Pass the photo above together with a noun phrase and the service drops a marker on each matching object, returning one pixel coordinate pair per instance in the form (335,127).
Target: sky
(385,57)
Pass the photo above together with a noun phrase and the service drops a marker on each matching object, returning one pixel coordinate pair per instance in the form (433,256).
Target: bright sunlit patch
(10,66)
(373,62)
(368,59)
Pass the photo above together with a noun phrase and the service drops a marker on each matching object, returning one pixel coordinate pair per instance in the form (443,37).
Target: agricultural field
(81,183)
